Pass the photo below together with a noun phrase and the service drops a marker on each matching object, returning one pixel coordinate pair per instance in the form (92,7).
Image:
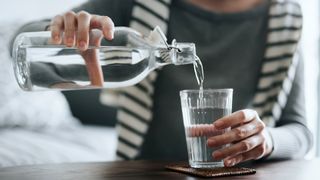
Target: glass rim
(225,90)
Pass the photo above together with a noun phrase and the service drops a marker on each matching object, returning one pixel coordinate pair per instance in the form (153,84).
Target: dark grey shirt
(231,47)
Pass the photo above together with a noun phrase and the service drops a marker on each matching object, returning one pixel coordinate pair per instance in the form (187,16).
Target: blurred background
(30,10)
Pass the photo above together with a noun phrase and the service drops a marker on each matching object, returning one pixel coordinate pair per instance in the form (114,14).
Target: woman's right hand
(74,29)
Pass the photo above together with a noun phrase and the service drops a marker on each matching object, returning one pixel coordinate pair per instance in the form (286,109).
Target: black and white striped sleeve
(291,137)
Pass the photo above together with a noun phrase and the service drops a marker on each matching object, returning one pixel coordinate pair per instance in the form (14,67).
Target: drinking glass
(200,109)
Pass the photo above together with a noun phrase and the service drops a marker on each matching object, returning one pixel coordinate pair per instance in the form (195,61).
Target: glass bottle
(121,62)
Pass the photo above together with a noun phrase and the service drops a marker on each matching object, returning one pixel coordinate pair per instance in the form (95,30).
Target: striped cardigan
(274,85)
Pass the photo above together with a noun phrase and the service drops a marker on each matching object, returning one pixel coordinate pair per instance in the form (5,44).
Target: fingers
(105,24)
(76,28)
(236,134)
(240,147)
(199,130)
(255,153)
(56,27)
(246,134)
(70,22)
(236,118)
(83,30)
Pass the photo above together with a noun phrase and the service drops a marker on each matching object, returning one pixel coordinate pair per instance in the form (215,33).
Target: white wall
(310,45)
(26,10)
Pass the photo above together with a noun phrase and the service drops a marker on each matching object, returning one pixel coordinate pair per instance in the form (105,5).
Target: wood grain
(284,170)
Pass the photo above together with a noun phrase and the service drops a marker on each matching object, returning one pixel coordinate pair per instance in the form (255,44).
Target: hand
(248,138)
(77,27)
(83,29)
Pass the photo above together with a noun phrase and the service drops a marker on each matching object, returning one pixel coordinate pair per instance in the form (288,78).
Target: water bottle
(123,61)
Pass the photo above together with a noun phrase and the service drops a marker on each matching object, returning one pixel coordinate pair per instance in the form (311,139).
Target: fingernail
(216,155)
(82,45)
(230,162)
(56,38)
(210,142)
(111,34)
(217,125)
(70,40)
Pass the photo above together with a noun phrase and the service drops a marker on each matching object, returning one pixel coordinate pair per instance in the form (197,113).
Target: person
(233,41)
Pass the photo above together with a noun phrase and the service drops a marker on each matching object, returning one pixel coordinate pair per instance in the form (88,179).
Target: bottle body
(122,62)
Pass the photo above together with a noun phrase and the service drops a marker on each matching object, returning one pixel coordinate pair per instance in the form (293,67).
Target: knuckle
(261,149)
(242,114)
(250,114)
(70,14)
(107,19)
(255,113)
(83,14)
(57,17)
(240,133)
(261,126)
(245,146)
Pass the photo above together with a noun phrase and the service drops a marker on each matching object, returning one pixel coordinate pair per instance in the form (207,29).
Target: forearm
(290,141)
(292,138)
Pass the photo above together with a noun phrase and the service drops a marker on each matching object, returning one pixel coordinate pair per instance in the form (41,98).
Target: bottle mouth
(185,53)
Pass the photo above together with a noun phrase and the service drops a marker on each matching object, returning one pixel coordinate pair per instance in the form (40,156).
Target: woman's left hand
(248,138)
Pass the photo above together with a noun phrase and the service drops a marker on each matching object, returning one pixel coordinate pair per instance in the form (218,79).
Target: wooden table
(284,170)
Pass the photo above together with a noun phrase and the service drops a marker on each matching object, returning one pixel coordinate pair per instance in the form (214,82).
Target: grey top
(228,46)
(231,47)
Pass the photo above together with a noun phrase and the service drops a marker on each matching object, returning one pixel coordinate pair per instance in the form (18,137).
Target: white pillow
(27,109)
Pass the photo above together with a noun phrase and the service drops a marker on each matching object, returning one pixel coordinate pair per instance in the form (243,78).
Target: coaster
(215,172)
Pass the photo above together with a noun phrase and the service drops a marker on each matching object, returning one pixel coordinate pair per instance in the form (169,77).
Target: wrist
(269,143)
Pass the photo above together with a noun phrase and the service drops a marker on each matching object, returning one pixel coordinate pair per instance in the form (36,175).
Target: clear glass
(198,116)
(124,61)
